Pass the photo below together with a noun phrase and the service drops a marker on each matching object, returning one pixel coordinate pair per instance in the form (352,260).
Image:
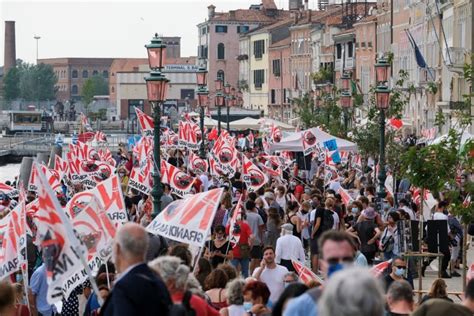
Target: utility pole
(37,38)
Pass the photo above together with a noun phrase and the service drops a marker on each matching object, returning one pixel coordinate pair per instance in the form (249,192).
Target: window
(85,74)
(350,50)
(272,96)
(220,74)
(105,74)
(95,73)
(276,67)
(338,51)
(113,89)
(369,44)
(243,29)
(220,51)
(362,44)
(221,28)
(202,51)
(74,89)
(357,44)
(258,78)
(74,74)
(259,48)
(203,30)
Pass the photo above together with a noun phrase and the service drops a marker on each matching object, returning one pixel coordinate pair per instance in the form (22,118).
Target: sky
(106,28)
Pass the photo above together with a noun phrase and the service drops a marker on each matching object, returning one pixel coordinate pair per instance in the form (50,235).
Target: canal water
(9,171)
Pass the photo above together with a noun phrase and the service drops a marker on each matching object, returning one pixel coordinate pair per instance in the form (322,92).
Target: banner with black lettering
(197,164)
(51,175)
(179,181)
(188,220)
(188,133)
(310,142)
(91,172)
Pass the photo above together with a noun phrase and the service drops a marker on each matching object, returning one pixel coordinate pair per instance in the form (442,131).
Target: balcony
(458,57)
(457,105)
(349,64)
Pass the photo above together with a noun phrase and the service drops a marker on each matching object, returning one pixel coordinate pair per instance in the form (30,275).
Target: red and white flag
(345,196)
(304,273)
(188,133)
(196,164)
(100,137)
(55,235)
(51,175)
(13,241)
(380,268)
(140,177)
(310,142)
(146,123)
(253,177)
(106,156)
(251,139)
(86,137)
(11,192)
(179,181)
(86,126)
(395,123)
(61,166)
(236,216)
(275,134)
(188,220)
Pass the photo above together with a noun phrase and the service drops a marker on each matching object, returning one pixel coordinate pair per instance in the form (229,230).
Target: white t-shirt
(336,220)
(438,216)
(273,278)
(410,212)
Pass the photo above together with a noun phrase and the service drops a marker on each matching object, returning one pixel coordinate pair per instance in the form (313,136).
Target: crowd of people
(298,217)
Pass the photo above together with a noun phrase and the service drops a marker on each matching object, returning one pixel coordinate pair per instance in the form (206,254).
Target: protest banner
(253,177)
(187,135)
(197,165)
(140,177)
(51,175)
(310,142)
(9,191)
(179,181)
(146,123)
(188,220)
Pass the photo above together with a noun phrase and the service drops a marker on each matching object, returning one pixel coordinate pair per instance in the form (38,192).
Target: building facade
(72,73)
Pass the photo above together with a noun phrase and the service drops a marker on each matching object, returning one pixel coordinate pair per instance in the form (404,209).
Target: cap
(287,226)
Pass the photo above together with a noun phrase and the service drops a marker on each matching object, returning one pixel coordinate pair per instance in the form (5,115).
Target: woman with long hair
(438,290)
(273,227)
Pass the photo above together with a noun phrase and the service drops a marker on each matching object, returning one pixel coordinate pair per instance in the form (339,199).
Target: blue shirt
(39,287)
(302,305)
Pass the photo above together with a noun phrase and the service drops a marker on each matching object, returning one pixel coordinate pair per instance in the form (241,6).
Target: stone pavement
(454,284)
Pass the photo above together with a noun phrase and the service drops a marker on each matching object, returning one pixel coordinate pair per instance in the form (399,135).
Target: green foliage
(93,86)
(440,119)
(432,87)
(328,115)
(11,84)
(323,75)
(367,139)
(31,82)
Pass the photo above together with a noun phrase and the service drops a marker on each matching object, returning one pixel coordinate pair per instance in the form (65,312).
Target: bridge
(30,144)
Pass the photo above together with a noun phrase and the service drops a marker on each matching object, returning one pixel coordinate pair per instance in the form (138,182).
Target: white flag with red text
(51,175)
(188,135)
(188,220)
(146,123)
(140,177)
(196,164)
(304,273)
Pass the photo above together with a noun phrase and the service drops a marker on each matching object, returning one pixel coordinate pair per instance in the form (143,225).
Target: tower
(10,50)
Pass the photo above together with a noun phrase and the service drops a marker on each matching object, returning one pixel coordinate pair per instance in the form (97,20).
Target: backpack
(327,221)
(184,308)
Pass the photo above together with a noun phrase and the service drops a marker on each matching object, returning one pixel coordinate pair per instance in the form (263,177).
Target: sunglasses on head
(347,259)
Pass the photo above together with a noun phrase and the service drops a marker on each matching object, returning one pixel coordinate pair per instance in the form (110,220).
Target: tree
(93,86)
(11,84)
(37,82)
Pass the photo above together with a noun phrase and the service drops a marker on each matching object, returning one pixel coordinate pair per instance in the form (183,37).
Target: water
(9,171)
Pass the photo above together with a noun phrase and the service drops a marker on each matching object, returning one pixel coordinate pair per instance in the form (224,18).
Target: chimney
(10,50)
(310,16)
(306,5)
(211,10)
(232,14)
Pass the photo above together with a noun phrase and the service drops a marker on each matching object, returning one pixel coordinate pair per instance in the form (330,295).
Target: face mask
(19,277)
(355,210)
(399,272)
(121,175)
(247,306)
(333,268)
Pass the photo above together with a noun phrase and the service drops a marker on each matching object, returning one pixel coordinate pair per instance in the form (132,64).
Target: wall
(259,96)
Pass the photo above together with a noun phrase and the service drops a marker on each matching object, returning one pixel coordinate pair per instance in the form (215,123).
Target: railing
(457,55)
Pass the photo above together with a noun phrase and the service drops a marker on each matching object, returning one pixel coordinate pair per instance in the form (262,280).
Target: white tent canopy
(294,142)
(208,122)
(245,123)
(281,125)
(464,138)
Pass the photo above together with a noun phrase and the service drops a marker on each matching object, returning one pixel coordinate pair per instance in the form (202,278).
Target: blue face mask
(333,268)
(19,277)
(247,306)
(399,272)
(355,210)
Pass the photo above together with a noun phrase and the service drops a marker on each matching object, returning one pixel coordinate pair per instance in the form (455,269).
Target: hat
(287,226)
(269,195)
(369,213)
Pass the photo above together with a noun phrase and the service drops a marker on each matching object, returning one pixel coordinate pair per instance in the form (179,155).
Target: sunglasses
(332,261)
(401,267)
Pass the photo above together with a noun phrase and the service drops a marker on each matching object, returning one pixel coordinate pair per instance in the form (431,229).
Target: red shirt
(199,305)
(245,232)
(299,190)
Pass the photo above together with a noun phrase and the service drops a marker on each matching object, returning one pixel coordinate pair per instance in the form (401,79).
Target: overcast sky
(105,28)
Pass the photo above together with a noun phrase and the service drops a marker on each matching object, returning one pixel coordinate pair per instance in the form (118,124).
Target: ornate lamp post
(156,85)
(346,98)
(219,102)
(382,93)
(203,95)
(227,100)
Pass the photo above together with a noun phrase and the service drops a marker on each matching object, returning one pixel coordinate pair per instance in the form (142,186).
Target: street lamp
(227,100)
(219,102)
(346,103)
(156,85)
(203,96)
(382,93)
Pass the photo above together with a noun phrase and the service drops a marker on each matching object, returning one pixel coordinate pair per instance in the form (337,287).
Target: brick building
(73,72)
(219,38)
